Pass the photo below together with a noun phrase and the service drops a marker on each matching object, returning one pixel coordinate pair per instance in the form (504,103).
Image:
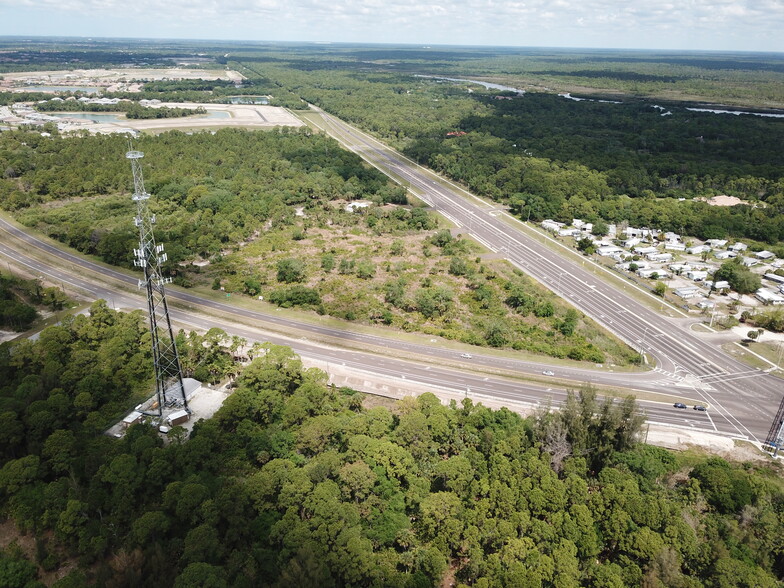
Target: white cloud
(749,24)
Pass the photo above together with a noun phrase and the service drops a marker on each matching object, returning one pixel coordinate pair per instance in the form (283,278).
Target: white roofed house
(697,249)
(659,257)
(696,275)
(641,233)
(726,255)
(653,273)
(551,225)
(716,243)
(721,286)
(738,247)
(750,261)
(608,250)
(637,265)
(645,250)
(769,297)
(687,292)
(674,246)
(765,255)
(678,268)
(774,278)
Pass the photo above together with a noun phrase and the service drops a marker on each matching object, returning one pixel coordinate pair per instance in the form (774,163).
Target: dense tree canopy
(294,482)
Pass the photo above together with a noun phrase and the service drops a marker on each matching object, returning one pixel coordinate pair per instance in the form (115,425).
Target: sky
(723,25)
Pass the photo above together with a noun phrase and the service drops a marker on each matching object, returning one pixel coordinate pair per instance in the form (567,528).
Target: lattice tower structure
(775,438)
(170,389)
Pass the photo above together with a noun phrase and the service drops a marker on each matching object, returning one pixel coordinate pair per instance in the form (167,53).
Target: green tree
(740,278)
(291,270)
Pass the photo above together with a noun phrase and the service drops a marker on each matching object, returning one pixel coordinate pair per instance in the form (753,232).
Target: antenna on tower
(170,389)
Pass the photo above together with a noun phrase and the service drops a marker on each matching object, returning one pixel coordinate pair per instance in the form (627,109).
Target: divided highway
(745,397)
(742,401)
(75,272)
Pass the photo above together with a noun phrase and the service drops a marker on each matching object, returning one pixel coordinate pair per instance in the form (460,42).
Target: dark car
(700,407)
(679,405)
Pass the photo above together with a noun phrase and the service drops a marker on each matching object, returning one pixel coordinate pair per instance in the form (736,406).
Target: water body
(98,117)
(664,111)
(488,85)
(568,96)
(87,89)
(248,99)
(736,112)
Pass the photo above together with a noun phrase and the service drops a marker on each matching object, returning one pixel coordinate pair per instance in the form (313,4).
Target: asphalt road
(448,370)
(746,398)
(742,401)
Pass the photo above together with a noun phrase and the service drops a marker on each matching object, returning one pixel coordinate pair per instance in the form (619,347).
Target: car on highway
(466,355)
(679,405)
(700,407)
(548,373)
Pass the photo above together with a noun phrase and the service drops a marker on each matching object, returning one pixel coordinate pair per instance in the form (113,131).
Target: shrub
(291,270)
(295,296)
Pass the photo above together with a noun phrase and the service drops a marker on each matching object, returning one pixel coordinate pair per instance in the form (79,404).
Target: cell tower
(170,390)
(775,437)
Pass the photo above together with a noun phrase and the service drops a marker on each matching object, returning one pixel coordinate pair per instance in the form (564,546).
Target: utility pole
(169,387)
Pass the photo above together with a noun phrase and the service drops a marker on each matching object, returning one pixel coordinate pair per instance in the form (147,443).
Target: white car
(548,373)
(465,355)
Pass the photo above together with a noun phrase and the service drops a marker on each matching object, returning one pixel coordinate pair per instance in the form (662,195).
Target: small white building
(670,237)
(551,225)
(750,261)
(765,255)
(774,278)
(608,250)
(645,250)
(652,272)
(726,255)
(631,242)
(769,297)
(640,233)
(659,257)
(679,268)
(132,419)
(638,265)
(671,246)
(697,249)
(178,417)
(738,247)
(687,292)
(696,275)
(716,243)
(569,232)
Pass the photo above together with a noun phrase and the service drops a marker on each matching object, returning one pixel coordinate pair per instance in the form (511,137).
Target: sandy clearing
(83,76)
(239,115)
